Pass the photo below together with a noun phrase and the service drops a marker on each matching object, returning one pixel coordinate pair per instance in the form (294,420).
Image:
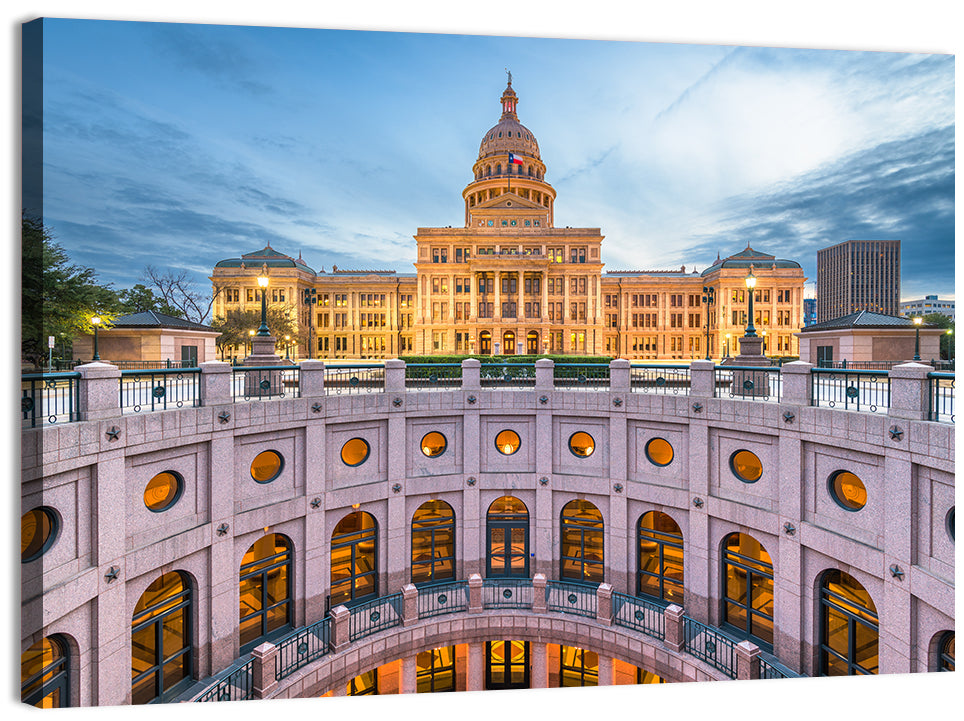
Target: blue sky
(178,145)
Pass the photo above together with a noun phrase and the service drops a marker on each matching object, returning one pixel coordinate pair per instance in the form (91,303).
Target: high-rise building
(858,275)
(927,305)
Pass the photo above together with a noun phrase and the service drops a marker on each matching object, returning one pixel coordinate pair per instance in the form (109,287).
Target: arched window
(660,558)
(578,667)
(945,649)
(488,170)
(582,542)
(265,598)
(45,673)
(435,670)
(848,627)
(748,588)
(507,539)
(364,684)
(498,168)
(354,559)
(433,542)
(506,664)
(161,663)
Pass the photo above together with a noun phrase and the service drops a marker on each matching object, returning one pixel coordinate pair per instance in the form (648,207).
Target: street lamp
(250,341)
(917,321)
(764,334)
(287,344)
(950,346)
(95,320)
(708,297)
(727,351)
(545,343)
(311,297)
(751,284)
(263,282)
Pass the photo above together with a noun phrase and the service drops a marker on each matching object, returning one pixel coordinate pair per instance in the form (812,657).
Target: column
(409,675)
(520,311)
(540,665)
(497,304)
(475,678)
(605,670)
(544,313)
(473,298)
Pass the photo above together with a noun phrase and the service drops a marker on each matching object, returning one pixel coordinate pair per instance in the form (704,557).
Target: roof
(267,256)
(152,319)
(862,319)
(747,257)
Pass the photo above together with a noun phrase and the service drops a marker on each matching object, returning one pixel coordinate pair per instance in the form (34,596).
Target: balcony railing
(159,390)
(858,390)
(432,376)
(266,382)
(436,599)
(571,597)
(354,379)
(581,376)
(940,392)
(234,686)
(709,645)
(660,379)
(639,614)
(302,647)
(749,383)
(507,593)
(507,375)
(374,616)
(49,398)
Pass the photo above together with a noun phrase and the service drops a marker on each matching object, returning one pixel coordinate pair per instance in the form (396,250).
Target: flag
(513,158)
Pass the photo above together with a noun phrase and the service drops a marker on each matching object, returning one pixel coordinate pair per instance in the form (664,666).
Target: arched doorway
(485,343)
(660,558)
(507,539)
(433,542)
(532,342)
(161,645)
(848,627)
(354,559)
(45,673)
(748,588)
(581,549)
(508,342)
(265,590)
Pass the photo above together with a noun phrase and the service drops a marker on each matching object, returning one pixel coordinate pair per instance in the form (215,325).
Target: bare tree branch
(179,292)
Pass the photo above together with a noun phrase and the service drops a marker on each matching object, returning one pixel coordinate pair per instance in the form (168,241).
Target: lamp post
(263,282)
(764,334)
(917,321)
(545,343)
(250,339)
(95,320)
(726,352)
(708,297)
(750,284)
(287,345)
(310,299)
(950,345)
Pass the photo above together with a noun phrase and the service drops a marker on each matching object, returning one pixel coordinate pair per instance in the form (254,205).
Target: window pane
(144,690)
(865,653)
(143,650)
(250,597)
(175,670)
(173,633)
(250,629)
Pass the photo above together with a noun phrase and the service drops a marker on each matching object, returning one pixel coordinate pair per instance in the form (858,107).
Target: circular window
(163,490)
(746,466)
(434,444)
(355,452)
(507,442)
(38,531)
(848,490)
(950,523)
(582,444)
(659,451)
(267,466)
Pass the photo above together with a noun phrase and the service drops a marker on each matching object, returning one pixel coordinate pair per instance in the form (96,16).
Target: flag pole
(508,170)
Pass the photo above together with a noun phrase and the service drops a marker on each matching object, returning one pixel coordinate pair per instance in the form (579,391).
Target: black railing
(265,382)
(748,383)
(507,593)
(770,668)
(571,597)
(49,398)
(940,392)
(302,647)
(709,645)
(160,390)
(433,376)
(639,614)
(581,376)
(507,375)
(435,599)
(354,379)
(660,379)
(858,390)
(235,686)
(374,616)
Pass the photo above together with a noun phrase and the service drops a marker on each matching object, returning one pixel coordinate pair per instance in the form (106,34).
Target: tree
(177,291)
(939,320)
(236,325)
(141,298)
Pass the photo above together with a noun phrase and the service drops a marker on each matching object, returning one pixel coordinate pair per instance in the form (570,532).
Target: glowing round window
(434,444)
(746,466)
(267,466)
(507,442)
(848,490)
(355,452)
(163,490)
(582,444)
(38,531)
(659,451)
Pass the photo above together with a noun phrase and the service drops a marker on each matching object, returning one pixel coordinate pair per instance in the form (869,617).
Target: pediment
(509,201)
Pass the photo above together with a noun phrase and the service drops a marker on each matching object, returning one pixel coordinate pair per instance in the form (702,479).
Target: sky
(178,145)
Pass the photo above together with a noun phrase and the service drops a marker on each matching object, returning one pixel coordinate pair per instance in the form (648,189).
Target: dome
(509,135)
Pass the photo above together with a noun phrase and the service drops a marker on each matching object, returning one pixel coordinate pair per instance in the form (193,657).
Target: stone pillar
(540,665)
(98,391)
(544,375)
(544,313)
(471,375)
(312,378)
(702,379)
(497,304)
(263,681)
(394,376)
(475,593)
(409,679)
(604,604)
(409,604)
(475,678)
(340,617)
(539,593)
(619,375)
(473,299)
(747,661)
(605,670)
(215,383)
(673,622)
(520,307)
(797,385)
(909,391)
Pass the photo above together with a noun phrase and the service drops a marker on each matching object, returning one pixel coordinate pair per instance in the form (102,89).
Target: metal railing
(660,379)
(571,597)
(49,398)
(159,390)
(770,668)
(507,593)
(374,616)
(748,383)
(858,390)
(940,392)
(639,614)
(432,376)
(709,645)
(435,599)
(265,382)
(859,365)
(235,686)
(302,647)
(507,375)
(354,379)
(581,376)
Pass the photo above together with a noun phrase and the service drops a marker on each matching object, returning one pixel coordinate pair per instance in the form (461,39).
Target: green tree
(236,325)
(141,298)
(939,320)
